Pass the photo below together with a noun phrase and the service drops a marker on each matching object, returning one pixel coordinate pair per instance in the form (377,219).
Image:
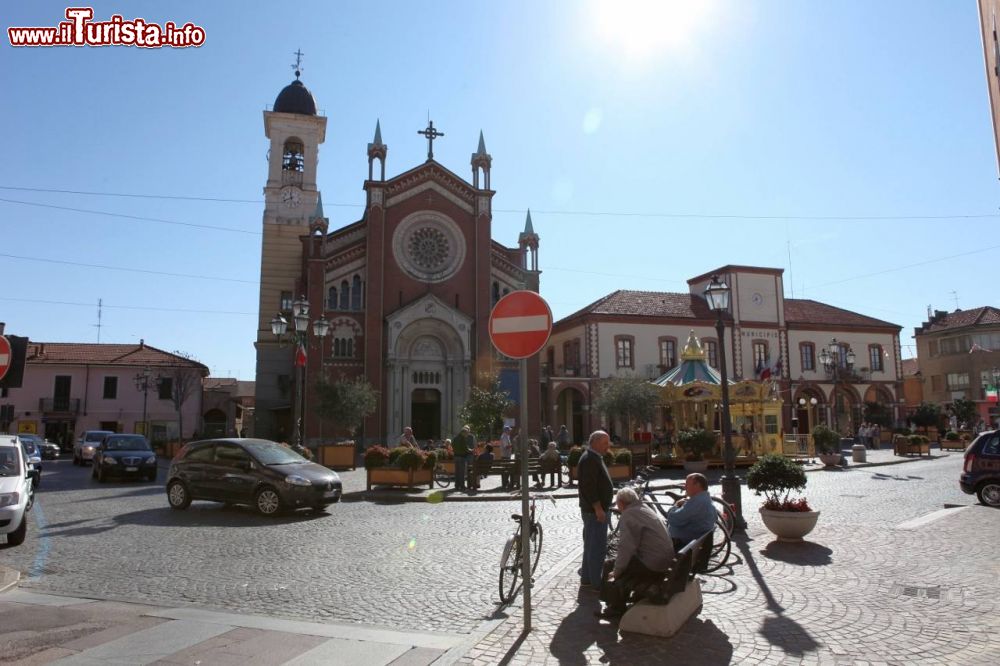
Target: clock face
(757,299)
(290,196)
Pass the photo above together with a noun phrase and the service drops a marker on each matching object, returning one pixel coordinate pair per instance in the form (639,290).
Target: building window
(712,352)
(110,388)
(286,301)
(624,346)
(807,352)
(932,348)
(331,298)
(668,352)
(343,347)
(571,356)
(875,357)
(759,356)
(166,388)
(345,295)
(937,383)
(958,381)
(356,293)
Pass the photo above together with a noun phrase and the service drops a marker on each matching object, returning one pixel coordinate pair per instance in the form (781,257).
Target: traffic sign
(520,324)
(6,356)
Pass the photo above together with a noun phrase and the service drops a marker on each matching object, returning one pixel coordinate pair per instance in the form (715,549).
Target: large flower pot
(830,459)
(789,525)
(620,472)
(393,476)
(692,466)
(340,456)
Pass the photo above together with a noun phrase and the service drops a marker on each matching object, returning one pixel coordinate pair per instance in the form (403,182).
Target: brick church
(407,289)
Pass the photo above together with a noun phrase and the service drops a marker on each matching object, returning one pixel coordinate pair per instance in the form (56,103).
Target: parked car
(16,490)
(34,459)
(124,456)
(48,450)
(256,472)
(981,471)
(86,446)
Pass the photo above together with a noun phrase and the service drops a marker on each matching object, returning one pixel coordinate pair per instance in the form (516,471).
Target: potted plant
(827,445)
(952,440)
(376,456)
(696,443)
(775,477)
(914,444)
(619,464)
(403,466)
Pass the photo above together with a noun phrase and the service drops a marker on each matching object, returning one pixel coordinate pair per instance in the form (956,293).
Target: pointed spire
(318,215)
(481,150)
(528,229)
(378,133)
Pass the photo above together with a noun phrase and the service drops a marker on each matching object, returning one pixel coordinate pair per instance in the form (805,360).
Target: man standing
(462,445)
(644,552)
(595,490)
(506,451)
(690,518)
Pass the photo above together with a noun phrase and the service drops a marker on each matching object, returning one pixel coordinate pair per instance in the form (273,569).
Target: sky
(848,143)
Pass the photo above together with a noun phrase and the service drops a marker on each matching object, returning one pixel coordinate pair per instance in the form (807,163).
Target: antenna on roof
(100,302)
(929,313)
(954,294)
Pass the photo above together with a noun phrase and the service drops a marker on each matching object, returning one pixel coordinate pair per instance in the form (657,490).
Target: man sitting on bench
(644,553)
(693,516)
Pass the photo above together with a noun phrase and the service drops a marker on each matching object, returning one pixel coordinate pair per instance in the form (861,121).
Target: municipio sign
(520,324)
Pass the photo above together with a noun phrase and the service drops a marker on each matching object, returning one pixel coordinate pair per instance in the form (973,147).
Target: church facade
(407,289)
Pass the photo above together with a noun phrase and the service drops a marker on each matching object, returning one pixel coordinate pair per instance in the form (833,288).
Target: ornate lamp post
(717,296)
(142,384)
(838,365)
(811,413)
(320,328)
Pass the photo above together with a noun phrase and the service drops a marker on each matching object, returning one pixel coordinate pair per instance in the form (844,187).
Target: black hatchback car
(124,456)
(981,471)
(257,472)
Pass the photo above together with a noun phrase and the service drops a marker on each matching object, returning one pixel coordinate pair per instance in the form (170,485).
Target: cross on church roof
(431,133)
(298,63)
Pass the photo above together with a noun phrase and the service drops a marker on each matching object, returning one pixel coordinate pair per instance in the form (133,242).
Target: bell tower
(295,131)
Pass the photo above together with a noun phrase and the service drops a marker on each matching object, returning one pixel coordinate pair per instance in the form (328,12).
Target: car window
(29,448)
(201,454)
(230,455)
(991,447)
(269,453)
(9,462)
(128,443)
(95,436)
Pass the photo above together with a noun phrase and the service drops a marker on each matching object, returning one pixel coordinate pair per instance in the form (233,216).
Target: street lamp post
(811,413)
(142,384)
(837,365)
(717,296)
(300,321)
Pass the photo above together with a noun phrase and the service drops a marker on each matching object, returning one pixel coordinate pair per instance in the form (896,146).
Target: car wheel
(178,496)
(989,493)
(16,538)
(267,501)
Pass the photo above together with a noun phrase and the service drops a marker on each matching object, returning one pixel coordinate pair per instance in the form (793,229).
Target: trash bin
(858,453)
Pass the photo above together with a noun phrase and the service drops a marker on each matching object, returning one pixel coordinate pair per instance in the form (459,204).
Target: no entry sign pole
(520,325)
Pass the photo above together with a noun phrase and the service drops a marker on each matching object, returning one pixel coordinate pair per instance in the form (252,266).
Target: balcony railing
(849,375)
(64,405)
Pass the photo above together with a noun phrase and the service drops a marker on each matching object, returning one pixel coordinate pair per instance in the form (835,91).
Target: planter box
(910,449)
(620,472)
(830,459)
(692,466)
(340,456)
(953,445)
(393,476)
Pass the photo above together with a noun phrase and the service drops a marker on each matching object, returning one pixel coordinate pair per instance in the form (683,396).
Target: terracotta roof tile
(106,354)
(806,311)
(648,304)
(942,321)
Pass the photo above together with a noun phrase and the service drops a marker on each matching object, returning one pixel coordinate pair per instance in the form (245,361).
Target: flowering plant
(376,456)
(799,504)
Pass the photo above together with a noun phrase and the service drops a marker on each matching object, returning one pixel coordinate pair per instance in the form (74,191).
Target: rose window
(428,249)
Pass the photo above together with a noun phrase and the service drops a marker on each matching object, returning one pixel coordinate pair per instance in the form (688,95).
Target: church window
(292,157)
(331,298)
(343,347)
(356,293)
(428,249)
(345,295)
(624,346)
(286,301)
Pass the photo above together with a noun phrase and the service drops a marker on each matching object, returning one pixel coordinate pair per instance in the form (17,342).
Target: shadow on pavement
(806,553)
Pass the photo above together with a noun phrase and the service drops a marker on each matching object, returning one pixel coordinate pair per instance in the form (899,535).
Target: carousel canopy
(694,367)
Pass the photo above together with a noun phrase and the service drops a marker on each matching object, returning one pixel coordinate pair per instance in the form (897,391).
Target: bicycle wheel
(510,567)
(726,513)
(536,547)
(721,550)
(441,477)
(614,521)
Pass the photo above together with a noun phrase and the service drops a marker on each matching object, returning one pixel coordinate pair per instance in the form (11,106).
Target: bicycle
(511,560)
(442,477)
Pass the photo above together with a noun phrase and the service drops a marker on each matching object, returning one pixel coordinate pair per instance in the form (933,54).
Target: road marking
(921,521)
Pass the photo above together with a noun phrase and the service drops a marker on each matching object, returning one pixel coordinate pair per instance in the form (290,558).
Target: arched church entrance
(425,411)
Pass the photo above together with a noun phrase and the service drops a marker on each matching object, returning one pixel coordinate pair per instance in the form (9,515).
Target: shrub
(696,442)
(827,441)
(574,456)
(396,452)
(410,458)
(918,439)
(430,459)
(952,436)
(376,456)
(775,477)
(623,457)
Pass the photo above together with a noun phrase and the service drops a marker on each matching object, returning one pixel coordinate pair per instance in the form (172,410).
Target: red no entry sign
(520,324)
(6,356)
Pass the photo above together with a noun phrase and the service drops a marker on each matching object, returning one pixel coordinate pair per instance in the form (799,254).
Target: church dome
(295,98)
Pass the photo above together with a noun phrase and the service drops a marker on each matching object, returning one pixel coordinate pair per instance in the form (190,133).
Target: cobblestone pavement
(863,588)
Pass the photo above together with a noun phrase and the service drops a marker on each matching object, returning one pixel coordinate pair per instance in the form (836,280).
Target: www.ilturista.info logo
(81,30)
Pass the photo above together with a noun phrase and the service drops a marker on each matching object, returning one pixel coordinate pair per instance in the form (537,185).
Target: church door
(425,411)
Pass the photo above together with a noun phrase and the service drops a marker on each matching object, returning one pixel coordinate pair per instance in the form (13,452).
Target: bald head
(600,441)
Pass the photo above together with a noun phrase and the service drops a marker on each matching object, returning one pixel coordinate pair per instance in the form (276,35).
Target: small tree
(632,399)
(926,415)
(346,402)
(179,384)
(964,411)
(484,409)
(876,412)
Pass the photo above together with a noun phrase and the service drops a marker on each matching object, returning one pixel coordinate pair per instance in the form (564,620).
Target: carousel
(692,398)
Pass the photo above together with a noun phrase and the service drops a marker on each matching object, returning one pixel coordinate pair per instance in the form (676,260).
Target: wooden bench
(512,468)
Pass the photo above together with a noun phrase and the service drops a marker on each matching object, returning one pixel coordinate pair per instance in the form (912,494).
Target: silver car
(86,446)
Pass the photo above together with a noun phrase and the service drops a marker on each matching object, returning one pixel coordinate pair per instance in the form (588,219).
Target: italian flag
(991,394)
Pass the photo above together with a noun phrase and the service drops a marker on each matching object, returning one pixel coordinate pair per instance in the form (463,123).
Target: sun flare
(642,28)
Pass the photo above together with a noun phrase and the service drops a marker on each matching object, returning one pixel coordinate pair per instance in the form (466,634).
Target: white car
(86,446)
(16,493)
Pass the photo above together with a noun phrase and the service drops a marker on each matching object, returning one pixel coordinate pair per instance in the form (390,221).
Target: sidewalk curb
(853,465)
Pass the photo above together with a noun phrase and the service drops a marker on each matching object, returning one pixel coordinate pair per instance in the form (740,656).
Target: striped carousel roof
(693,367)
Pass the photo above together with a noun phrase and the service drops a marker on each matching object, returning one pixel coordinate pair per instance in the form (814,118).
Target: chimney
(142,343)
(2,324)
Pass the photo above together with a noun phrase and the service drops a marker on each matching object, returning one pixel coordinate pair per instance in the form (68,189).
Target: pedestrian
(551,463)
(462,446)
(595,490)
(545,437)
(562,439)
(506,451)
(876,435)
(407,439)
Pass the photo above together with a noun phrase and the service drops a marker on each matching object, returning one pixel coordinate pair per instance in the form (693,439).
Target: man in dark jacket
(462,446)
(595,502)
